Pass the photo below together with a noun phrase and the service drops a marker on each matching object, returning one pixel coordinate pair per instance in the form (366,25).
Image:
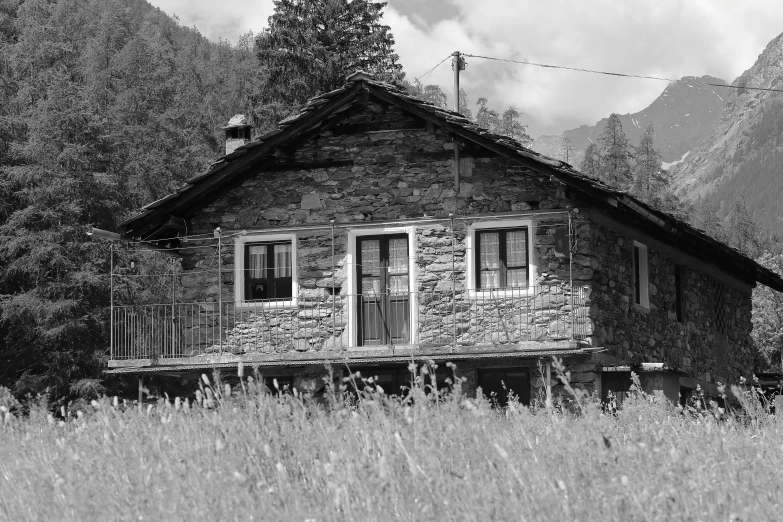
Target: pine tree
(647,166)
(591,164)
(615,169)
(102,108)
(567,149)
(767,317)
(510,126)
(464,104)
(707,219)
(486,117)
(311,46)
(743,233)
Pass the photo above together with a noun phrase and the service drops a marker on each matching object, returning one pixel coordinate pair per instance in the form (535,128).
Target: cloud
(227,19)
(670,38)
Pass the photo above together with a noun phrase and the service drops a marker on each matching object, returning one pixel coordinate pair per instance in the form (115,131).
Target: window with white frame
(499,257)
(640,275)
(265,269)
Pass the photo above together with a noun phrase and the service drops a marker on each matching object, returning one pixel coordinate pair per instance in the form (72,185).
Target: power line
(624,75)
(439,64)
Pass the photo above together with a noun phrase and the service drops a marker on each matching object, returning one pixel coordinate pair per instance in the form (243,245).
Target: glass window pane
(371,256)
(398,284)
(257,262)
(283,258)
(490,279)
(516,278)
(516,248)
(371,286)
(489,254)
(398,256)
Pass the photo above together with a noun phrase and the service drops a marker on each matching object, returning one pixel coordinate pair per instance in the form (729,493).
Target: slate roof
(332,103)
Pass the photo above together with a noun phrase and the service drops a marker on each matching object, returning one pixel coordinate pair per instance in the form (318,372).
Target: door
(497,383)
(383,282)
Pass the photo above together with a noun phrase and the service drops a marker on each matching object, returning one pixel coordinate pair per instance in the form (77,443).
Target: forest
(108,105)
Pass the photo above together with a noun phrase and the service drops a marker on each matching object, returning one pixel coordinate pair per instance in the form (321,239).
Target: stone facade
(712,342)
(400,174)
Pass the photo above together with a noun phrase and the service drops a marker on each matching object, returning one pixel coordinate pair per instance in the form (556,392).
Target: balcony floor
(376,354)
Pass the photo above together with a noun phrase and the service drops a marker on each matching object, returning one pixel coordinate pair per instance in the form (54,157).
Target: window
(496,385)
(618,383)
(678,292)
(382,276)
(381,269)
(500,258)
(265,270)
(640,275)
(268,271)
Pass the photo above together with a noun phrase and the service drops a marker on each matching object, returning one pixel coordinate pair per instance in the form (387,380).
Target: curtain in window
(371,266)
(283,258)
(516,248)
(398,265)
(516,256)
(257,262)
(489,259)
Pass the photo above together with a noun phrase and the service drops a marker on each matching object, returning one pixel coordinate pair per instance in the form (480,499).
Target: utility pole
(457,64)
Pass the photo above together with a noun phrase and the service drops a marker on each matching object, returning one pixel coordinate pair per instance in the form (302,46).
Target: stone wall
(711,343)
(402,169)
(395,174)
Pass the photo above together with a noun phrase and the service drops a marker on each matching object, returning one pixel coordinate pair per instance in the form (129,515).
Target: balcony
(328,327)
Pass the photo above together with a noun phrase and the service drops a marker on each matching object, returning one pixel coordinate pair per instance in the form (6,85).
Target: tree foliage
(311,46)
(104,106)
(768,317)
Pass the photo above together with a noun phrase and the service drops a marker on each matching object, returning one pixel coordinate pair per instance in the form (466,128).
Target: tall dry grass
(249,455)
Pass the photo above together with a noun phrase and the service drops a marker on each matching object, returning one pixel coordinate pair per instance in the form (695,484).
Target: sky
(668,38)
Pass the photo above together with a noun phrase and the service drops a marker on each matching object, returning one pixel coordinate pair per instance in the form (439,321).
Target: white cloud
(670,38)
(227,19)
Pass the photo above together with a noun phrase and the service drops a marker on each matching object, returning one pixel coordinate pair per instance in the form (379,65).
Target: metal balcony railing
(336,323)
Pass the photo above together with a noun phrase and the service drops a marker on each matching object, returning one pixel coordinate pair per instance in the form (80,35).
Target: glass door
(383,281)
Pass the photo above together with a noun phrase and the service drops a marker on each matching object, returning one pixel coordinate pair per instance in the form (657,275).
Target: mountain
(685,114)
(744,156)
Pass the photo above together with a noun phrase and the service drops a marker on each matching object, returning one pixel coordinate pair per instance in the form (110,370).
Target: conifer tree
(591,164)
(743,233)
(647,166)
(464,104)
(615,169)
(311,46)
(767,317)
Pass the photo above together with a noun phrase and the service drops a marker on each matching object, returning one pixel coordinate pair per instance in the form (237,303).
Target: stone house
(373,229)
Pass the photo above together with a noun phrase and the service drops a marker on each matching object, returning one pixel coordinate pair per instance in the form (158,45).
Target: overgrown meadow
(247,454)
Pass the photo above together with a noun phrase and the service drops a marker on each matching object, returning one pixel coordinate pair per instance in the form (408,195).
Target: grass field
(254,456)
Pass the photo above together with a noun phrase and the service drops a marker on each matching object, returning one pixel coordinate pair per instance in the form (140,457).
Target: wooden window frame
(246,238)
(270,269)
(474,290)
(502,259)
(385,294)
(352,289)
(678,294)
(641,274)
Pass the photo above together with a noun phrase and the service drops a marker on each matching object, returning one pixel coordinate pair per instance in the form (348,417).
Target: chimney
(237,133)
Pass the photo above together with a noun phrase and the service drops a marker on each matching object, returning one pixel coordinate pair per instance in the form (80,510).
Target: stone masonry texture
(404,169)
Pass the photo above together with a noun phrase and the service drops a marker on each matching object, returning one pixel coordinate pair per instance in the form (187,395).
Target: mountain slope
(745,154)
(683,115)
